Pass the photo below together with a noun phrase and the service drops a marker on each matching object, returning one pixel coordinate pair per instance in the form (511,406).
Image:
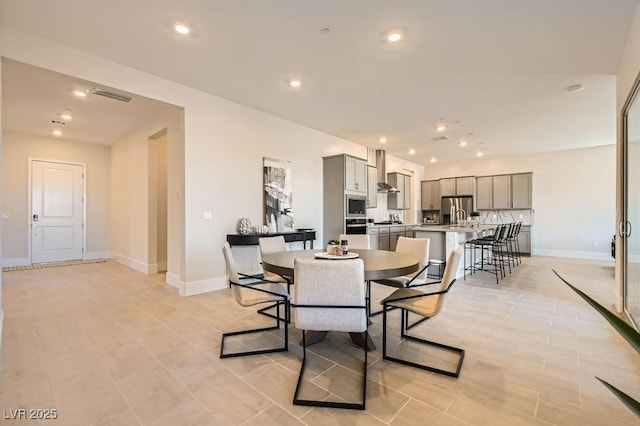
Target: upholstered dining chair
(357,241)
(426,305)
(329,295)
(273,245)
(251,294)
(417,247)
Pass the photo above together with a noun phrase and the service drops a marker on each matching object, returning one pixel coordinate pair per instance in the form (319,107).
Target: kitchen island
(443,239)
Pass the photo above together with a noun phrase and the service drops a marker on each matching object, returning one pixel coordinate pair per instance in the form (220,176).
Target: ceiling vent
(58,122)
(440,139)
(111,95)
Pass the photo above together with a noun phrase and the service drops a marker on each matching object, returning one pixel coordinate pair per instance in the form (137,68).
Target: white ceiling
(497,67)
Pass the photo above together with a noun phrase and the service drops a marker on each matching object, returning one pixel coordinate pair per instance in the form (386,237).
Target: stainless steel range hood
(383,186)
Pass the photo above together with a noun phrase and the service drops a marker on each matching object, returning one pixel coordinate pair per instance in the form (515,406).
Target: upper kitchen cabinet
(355,174)
(400,200)
(503,192)
(458,186)
(521,191)
(372,187)
(430,194)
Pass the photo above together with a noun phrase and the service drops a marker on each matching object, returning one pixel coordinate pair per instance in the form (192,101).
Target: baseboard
(97,255)
(174,280)
(145,268)
(589,255)
(203,286)
(16,261)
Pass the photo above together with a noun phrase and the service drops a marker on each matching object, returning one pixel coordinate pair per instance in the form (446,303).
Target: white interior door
(56,211)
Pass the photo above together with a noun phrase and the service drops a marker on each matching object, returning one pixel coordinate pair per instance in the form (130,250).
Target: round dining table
(378,264)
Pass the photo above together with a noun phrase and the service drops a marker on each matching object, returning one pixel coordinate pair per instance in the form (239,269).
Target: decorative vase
(334,250)
(264,229)
(244,227)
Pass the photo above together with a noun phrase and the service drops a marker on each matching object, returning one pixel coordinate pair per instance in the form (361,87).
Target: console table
(303,235)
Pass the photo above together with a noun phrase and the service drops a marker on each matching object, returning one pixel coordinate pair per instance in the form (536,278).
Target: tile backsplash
(381,212)
(527,217)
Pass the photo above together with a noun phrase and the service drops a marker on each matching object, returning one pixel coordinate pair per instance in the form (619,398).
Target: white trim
(203,286)
(16,261)
(132,263)
(97,255)
(590,255)
(30,160)
(174,281)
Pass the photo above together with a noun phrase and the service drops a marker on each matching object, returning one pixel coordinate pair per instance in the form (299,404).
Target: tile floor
(105,345)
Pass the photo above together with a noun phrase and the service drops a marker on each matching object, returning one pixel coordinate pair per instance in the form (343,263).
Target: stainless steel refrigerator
(455,208)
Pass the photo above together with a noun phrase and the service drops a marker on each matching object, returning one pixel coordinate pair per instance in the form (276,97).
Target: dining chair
(250,294)
(417,247)
(357,241)
(329,296)
(273,245)
(427,305)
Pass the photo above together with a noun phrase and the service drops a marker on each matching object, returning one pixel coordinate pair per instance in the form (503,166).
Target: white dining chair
(250,294)
(427,305)
(416,247)
(357,241)
(273,245)
(329,295)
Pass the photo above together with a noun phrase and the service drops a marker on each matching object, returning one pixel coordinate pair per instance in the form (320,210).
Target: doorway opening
(158,227)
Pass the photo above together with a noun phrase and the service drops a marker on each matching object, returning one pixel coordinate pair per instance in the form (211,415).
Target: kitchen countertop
(454,228)
(386,225)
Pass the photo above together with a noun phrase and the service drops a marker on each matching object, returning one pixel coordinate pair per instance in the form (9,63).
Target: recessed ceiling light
(479,154)
(66,114)
(462,143)
(294,82)
(412,151)
(57,132)
(382,139)
(441,128)
(433,159)
(182,29)
(80,93)
(575,88)
(394,36)
(325,31)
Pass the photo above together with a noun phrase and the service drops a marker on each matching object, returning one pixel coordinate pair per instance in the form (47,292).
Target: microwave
(356,206)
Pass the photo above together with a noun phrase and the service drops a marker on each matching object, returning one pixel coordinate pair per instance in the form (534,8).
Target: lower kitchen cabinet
(383,239)
(524,240)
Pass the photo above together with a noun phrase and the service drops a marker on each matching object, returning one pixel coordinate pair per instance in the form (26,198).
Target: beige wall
(573,197)
(16,150)
(627,73)
(131,241)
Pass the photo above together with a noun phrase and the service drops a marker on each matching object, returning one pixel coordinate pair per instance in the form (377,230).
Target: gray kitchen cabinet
(524,240)
(407,192)
(430,195)
(355,174)
(484,193)
(400,200)
(374,238)
(394,233)
(501,192)
(372,187)
(521,191)
(465,185)
(447,187)
(383,238)
(458,186)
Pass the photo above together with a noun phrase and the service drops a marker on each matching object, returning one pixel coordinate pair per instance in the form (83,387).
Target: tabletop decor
(244,226)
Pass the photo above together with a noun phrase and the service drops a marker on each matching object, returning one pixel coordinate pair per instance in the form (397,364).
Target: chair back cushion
(418,247)
(232,271)
(272,245)
(449,274)
(330,283)
(358,241)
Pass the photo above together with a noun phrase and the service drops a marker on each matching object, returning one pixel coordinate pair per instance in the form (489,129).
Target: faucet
(458,215)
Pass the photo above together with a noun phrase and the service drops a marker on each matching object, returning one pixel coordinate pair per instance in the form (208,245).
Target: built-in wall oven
(356,206)
(355,226)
